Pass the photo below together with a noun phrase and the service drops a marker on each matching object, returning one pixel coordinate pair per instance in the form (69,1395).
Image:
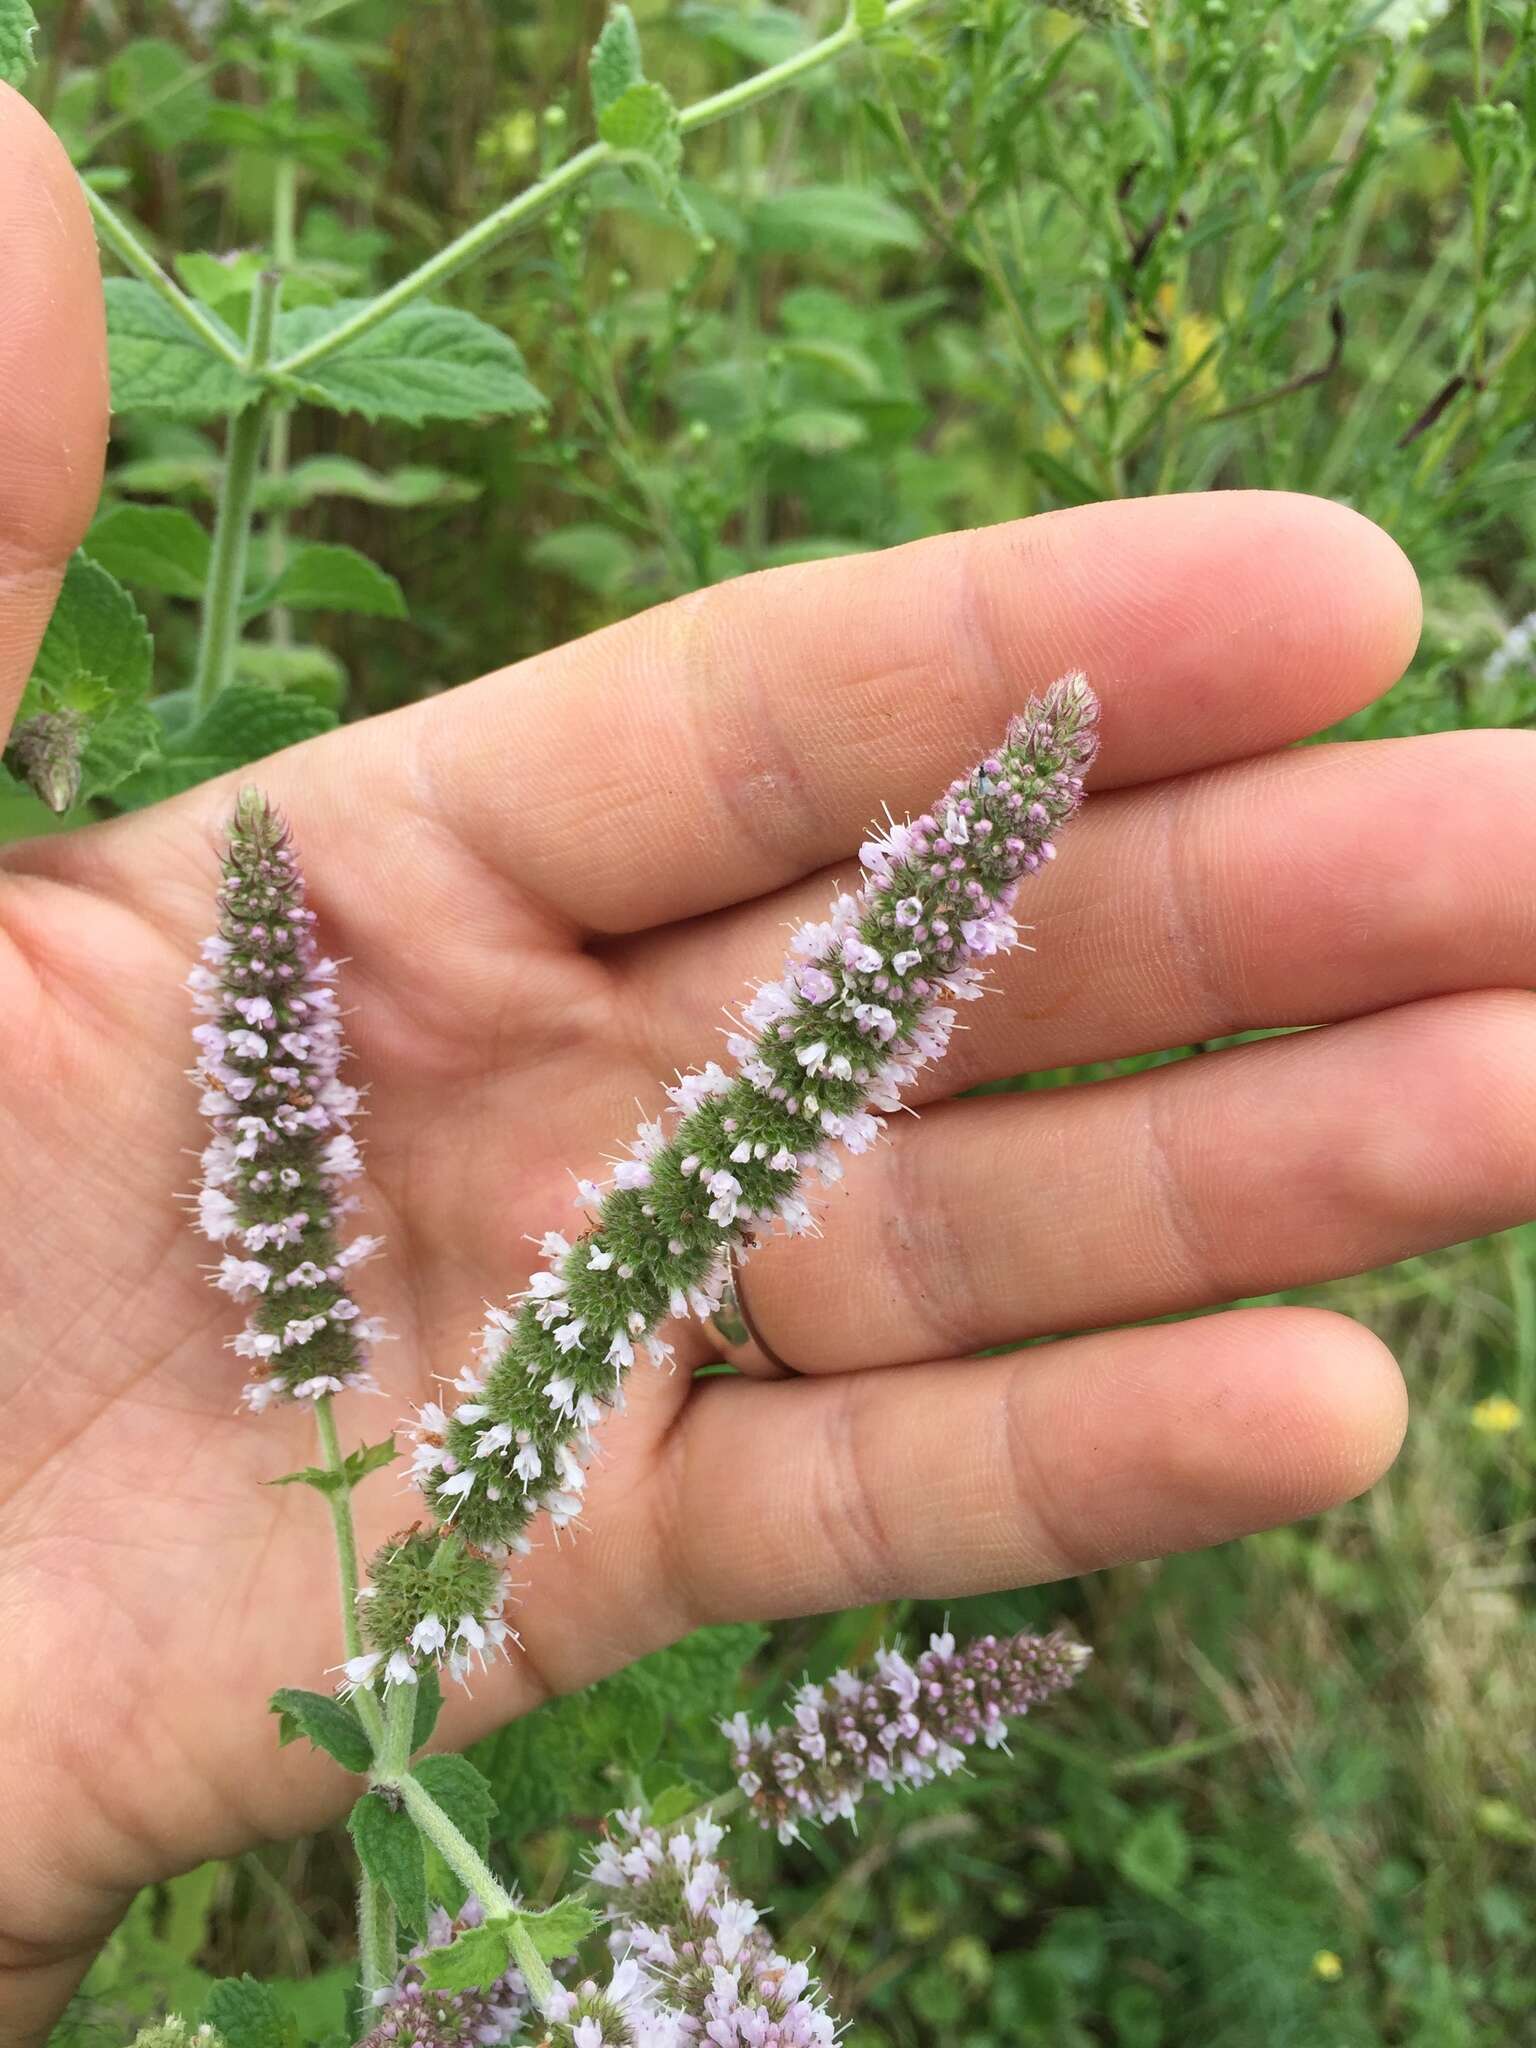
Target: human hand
(546,884)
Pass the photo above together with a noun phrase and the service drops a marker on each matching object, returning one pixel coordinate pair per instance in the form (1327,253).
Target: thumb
(53,382)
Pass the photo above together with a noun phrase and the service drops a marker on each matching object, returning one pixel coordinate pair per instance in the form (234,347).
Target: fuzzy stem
(378,1952)
(220,628)
(132,254)
(399,1726)
(340,1503)
(537,199)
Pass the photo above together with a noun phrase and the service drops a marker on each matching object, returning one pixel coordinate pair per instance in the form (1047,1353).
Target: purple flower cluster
(822,1056)
(896,1724)
(716,1975)
(282,1152)
(411,2015)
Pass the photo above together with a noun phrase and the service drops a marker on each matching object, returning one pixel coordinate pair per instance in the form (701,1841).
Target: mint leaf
(423,363)
(242,725)
(159,547)
(561,1930)
(323,576)
(1154,1855)
(247,2015)
(834,219)
(471,1962)
(390,1850)
(148,70)
(117,745)
(339,476)
(96,649)
(158,364)
(328,1723)
(429,1704)
(462,1793)
(766,35)
(615,63)
(642,125)
(868,15)
(18,25)
(312,672)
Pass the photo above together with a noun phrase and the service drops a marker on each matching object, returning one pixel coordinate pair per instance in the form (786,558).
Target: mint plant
(822,1056)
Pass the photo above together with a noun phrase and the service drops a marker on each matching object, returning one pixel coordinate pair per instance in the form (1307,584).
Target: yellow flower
(1497,1416)
(1328,1966)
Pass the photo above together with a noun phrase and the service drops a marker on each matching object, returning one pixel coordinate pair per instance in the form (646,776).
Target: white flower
(429,1636)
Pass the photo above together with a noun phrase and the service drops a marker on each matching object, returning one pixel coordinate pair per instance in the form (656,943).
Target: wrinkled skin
(546,884)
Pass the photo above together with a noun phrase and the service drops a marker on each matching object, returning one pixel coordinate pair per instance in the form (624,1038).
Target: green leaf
(819,430)
(97,647)
(118,745)
(475,1959)
(320,1477)
(670,1805)
(835,220)
(220,281)
(390,1850)
(248,2015)
(429,1704)
(868,15)
(763,35)
(146,72)
(159,547)
(642,125)
(327,1723)
(462,1793)
(599,558)
(615,63)
(158,364)
(339,476)
(312,672)
(242,725)
(1069,485)
(560,1930)
(18,25)
(323,576)
(423,363)
(1154,1855)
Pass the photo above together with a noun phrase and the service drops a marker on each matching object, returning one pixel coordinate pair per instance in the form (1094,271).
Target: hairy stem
(220,629)
(537,199)
(340,1503)
(377,1947)
(125,245)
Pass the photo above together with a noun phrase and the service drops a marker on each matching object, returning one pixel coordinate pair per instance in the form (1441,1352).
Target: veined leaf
(246,2014)
(840,219)
(244,723)
(615,63)
(423,363)
(642,124)
(323,576)
(329,1724)
(390,1850)
(97,648)
(145,74)
(158,547)
(18,25)
(159,365)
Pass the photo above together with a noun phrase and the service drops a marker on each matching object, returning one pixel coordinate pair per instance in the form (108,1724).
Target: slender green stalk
(285,219)
(538,198)
(125,245)
(149,105)
(340,1502)
(377,1946)
(220,629)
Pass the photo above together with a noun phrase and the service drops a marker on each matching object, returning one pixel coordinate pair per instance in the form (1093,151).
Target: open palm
(545,886)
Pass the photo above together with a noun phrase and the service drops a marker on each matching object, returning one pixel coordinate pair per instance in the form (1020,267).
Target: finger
(1272,1165)
(727,743)
(53,382)
(1315,885)
(937,1480)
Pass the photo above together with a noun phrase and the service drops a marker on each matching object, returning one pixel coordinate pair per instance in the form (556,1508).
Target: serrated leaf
(159,366)
(319,1477)
(119,745)
(475,1959)
(615,63)
(369,1458)
(18,25)
(247,2015)
(462,1793)
(323,576)
(222,281)
(339,476)
(670,1806)
(423,363)
(147,71)
(242,725)
(327,1723)
(390,1850)
(833,219)
(429,1704)
(97,648)
(158,547)
(312,672)
(642,123)
(561,1929)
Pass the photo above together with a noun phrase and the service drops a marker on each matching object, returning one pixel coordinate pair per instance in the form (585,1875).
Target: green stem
(378,1951)
(537,199)
(220,630)
(285,219)
(125,245)
(340,1503)
(457,1851)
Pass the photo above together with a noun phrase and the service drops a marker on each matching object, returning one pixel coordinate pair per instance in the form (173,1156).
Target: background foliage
(999,265)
